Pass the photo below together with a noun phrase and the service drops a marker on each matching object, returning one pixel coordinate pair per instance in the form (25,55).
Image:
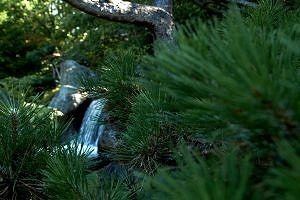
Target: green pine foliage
(195,178)
(148,138)
(115,188)
(284,179)
(269,14)
(231,83)
(235,77)
(239,76)
(117,82)
(67,176)
(27,138)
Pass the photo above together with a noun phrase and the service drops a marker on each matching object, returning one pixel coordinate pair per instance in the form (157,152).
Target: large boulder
(69,97)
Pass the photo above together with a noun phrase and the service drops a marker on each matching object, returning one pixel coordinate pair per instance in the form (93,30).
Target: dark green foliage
(223,178)
(269,14)
(235,77)
(27,138)
(148,138)
(66,175)
(35,165)
(232,83)
(31,31)
(212,85)
(116,81)
(187,10)
(93,43)
(29,86)
(25,31)
(114,188)
(284,180)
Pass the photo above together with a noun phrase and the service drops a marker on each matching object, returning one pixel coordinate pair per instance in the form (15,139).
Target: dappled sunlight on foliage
(212,113)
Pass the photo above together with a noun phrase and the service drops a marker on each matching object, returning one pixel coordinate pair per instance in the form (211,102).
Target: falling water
(92,127)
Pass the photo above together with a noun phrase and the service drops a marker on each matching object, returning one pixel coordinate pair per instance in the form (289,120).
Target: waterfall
(92,127)
(92,132)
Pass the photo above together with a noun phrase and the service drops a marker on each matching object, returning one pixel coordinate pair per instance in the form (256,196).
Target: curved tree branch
(167,5)
(117,10)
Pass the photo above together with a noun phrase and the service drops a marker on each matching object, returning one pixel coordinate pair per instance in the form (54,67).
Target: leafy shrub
(29,86)
(25,35)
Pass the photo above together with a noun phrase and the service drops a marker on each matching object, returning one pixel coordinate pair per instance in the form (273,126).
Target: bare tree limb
(117,10)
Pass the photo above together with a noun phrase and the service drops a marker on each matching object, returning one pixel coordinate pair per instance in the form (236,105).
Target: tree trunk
(167,5)
(165,32)
(157,17)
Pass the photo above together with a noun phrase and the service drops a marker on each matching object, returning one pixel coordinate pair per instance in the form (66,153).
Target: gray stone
(69,97)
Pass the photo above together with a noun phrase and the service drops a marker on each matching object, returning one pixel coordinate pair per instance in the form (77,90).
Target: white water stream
(92,127)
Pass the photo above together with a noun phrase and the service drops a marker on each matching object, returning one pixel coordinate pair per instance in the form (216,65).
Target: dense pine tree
(215,115)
